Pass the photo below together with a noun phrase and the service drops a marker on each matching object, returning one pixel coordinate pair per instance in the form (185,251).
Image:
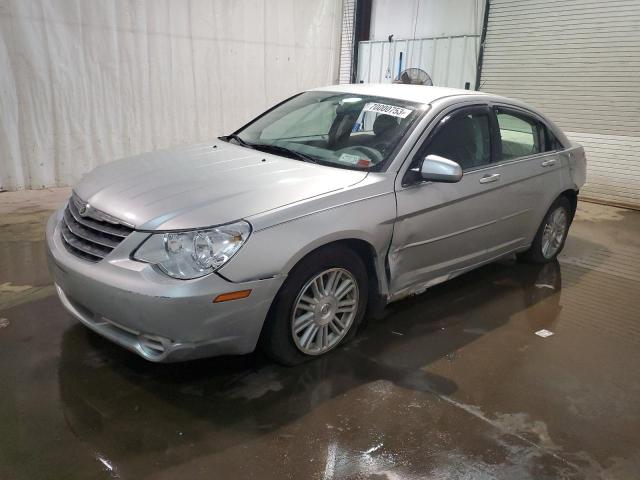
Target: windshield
(339,129)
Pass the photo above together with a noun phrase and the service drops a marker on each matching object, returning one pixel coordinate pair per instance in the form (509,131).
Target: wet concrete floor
(452,384)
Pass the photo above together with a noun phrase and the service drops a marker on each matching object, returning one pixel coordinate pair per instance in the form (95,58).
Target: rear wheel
(551,235)
(318,308)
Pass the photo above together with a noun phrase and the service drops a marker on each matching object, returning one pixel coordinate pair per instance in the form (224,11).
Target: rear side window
(520,136)
(465,139)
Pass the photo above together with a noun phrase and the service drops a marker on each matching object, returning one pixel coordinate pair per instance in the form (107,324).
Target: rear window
(520,136)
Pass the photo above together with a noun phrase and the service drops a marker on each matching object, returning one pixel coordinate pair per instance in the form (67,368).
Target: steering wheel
(370,153)
(382,147)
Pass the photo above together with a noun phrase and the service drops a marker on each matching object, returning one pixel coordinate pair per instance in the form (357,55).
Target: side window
(521,136)
(464,138)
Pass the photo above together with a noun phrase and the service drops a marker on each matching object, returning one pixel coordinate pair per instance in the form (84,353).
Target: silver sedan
(330,205)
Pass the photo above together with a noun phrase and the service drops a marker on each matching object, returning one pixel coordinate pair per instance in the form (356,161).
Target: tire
(539,251)
(278,339)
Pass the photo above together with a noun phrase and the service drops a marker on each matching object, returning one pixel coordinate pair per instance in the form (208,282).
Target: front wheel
(551,235)
(318,308)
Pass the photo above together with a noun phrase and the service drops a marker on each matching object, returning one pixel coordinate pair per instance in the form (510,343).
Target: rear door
(528,160)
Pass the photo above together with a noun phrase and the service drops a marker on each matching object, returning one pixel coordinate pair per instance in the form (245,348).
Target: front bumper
(157,317)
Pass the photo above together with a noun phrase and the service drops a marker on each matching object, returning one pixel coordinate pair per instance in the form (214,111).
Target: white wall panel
(450,61)
(425,18)
(578,61)
(85,82)
(438,36)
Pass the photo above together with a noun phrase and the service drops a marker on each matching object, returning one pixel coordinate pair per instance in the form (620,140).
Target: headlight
(193,254)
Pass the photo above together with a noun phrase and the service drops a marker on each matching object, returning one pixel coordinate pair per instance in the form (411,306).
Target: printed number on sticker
(385,109)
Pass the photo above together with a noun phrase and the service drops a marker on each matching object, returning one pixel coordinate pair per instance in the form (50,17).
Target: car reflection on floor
(145,417)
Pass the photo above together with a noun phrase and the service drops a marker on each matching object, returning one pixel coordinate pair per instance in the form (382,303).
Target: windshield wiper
(237,138)
(264,147)
(277,149)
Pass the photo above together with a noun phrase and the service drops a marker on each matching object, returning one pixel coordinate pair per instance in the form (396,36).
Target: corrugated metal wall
(346,40)
(578,61)
(450,61)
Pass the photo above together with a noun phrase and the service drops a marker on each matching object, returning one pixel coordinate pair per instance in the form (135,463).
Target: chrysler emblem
(83,209)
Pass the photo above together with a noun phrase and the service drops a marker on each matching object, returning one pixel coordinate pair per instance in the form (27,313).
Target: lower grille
(88,237)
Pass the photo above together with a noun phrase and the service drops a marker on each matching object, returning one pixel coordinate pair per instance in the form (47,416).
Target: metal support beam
(483,37)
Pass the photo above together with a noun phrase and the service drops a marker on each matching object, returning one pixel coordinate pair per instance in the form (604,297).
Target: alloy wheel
(554,232)
(324,311)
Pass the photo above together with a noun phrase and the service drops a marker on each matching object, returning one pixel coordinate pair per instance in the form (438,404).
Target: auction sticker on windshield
(385,109)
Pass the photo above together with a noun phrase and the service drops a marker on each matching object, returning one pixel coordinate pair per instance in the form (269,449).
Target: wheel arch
(360,247)
(572,196)
(367,253)
(376,273)
(374,264)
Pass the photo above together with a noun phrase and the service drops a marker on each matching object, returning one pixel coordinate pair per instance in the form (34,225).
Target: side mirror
(439,169)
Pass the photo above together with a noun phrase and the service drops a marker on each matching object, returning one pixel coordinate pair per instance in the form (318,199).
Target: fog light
(153,345)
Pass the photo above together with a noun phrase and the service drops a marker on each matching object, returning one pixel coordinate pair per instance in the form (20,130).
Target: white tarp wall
(86,82)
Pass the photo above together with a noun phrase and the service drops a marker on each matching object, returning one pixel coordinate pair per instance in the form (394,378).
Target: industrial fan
(414,76)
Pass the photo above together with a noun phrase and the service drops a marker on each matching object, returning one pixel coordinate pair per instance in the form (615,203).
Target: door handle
(490,178)
(549,163)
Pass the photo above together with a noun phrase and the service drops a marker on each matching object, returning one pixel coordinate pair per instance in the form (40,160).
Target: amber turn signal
(225,297)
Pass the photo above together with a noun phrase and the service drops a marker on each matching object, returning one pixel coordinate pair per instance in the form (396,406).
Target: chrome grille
(88,237)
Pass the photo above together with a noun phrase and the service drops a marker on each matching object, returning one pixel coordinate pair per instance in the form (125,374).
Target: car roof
(411,93)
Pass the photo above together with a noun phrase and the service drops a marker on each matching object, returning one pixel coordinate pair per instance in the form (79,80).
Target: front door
(445,228)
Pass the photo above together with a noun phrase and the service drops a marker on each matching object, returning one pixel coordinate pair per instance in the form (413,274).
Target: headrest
(384,123)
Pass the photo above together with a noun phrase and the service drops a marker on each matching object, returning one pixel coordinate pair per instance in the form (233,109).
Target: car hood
(204,185)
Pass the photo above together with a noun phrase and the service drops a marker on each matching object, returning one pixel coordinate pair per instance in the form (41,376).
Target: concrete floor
(453,384)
